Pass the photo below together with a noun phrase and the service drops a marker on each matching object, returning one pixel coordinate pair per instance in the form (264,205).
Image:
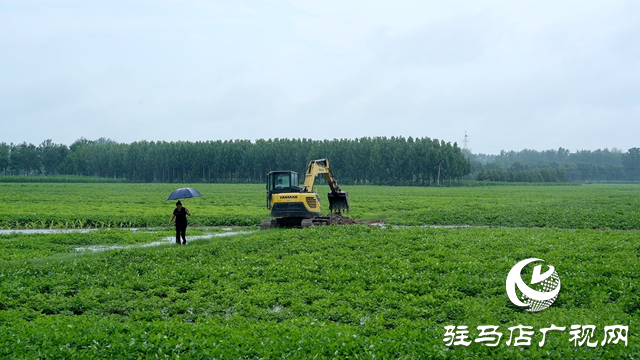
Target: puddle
(165,241)
(385,226)
(198,237)
(65,231)
(47,231)
(452,226)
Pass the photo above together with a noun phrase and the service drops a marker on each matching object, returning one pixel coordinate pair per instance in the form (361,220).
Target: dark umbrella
(183,193)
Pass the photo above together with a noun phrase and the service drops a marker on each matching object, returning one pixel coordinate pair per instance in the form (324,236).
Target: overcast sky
(513,74)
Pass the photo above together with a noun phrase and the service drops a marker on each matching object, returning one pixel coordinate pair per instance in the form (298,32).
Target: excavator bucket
(338,201)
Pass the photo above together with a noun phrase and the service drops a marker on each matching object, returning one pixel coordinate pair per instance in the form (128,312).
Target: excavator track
(316,221)
(268,224)
(331,219)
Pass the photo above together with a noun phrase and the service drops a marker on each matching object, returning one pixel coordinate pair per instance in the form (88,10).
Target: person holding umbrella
(180,214)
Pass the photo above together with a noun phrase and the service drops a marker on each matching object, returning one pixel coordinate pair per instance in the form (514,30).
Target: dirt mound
(339,219)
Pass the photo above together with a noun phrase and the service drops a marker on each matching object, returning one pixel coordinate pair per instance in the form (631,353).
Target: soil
(339,219)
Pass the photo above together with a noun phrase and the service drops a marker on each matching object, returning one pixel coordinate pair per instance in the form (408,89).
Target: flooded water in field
(47,231)
(385,226)
(66,231)
(165,241)
(198,237)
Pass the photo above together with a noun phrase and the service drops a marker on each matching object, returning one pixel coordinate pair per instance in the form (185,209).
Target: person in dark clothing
(180,214)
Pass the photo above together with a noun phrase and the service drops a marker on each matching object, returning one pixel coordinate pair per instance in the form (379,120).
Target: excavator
(295,206)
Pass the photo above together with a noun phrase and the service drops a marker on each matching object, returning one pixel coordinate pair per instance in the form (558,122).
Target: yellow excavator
(295,206)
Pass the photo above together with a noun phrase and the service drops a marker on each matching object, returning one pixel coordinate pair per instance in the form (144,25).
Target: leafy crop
(59,179)
(331,292)
(567,207)
(68,206)
(143,205)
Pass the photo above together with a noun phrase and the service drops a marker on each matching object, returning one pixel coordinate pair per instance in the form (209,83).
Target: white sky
(513,74)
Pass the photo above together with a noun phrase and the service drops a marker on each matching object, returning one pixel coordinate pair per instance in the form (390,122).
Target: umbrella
(183,193)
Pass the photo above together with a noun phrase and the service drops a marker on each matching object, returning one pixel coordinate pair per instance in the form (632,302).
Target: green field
(329,292)
(143,205)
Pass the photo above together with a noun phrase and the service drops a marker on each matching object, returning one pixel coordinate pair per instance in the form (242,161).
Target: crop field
(358,291)
(143,205)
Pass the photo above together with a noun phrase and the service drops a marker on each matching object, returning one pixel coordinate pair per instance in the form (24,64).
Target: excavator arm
(338,199)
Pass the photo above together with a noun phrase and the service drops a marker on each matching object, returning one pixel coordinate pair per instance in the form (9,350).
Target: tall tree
(4,157)
(631,163)
(52,155)
(24,158)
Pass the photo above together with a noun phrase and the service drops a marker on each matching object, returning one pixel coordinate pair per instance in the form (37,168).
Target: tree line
(557,165)
(377,160)
(368,160)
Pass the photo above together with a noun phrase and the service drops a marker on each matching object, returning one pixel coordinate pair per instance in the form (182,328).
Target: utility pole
(466,140)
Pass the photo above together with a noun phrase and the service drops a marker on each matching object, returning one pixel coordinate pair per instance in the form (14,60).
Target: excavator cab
(282,181)
(282,195)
